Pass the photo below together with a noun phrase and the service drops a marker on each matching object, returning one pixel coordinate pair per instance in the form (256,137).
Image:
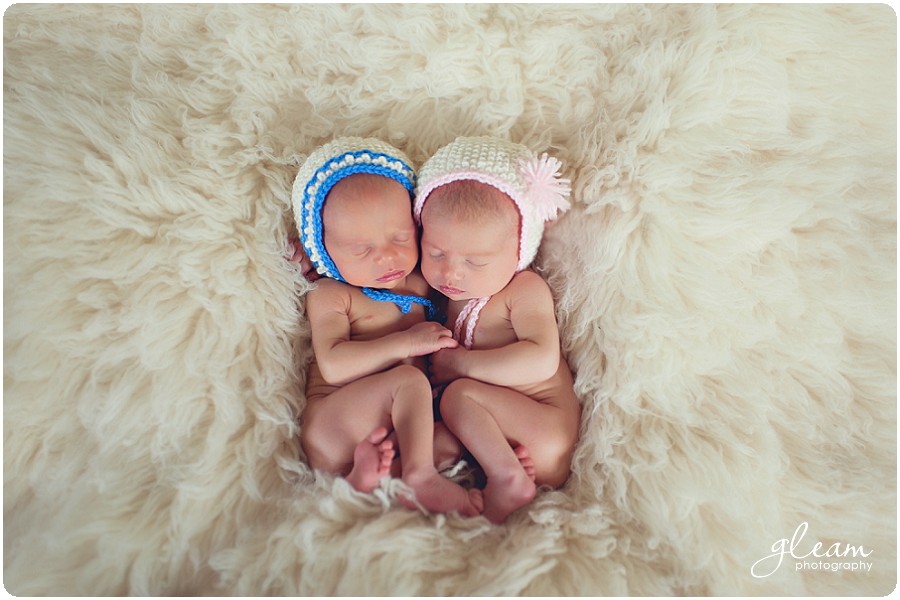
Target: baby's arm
(342,360)
(532,359)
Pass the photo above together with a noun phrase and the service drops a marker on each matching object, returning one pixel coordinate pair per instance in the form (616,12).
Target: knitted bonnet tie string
(404,303)
(470,311)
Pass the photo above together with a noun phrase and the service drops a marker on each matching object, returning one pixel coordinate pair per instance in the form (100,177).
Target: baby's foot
(525,460)
(438,494)
(371,461)
(504,494)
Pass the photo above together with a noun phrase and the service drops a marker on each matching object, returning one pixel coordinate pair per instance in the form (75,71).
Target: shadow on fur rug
(725,283)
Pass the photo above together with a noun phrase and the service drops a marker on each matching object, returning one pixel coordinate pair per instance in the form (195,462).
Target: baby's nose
(387,255)
(452,273)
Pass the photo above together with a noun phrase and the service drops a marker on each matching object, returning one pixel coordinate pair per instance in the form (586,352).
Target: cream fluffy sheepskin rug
(726,288)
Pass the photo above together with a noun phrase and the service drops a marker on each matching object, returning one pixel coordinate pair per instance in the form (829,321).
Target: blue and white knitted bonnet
(325,167)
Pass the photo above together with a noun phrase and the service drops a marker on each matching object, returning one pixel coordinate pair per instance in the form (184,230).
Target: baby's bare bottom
(491,421)
(333,427)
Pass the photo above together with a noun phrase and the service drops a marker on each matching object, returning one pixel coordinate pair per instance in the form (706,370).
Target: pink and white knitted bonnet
(532,182)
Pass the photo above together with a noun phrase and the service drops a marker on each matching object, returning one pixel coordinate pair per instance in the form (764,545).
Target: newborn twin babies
(385,367)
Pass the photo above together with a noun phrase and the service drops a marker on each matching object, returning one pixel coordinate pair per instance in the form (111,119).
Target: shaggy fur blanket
(725,285)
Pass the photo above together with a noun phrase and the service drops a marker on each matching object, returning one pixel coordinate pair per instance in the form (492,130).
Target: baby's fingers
(447,342)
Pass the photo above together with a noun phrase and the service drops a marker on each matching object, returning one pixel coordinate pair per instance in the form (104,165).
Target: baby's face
(464,259)
(369,231)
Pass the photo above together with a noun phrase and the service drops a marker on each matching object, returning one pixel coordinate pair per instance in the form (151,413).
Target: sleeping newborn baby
(352,203)
(482,203)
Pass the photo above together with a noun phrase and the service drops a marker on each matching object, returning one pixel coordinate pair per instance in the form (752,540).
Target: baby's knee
(458,395)
(460,390)
(408,376)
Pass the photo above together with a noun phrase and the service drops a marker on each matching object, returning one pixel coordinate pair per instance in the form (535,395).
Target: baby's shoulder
(527,282)
(330,292)
(327,286)
(528,290)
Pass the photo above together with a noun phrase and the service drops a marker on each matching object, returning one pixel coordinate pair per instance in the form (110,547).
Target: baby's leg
(447,450)
(340,429)
(400,399)
(413,420)
(491,421)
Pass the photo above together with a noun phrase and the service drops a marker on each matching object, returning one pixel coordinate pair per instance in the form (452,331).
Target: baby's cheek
(413,257)
(428,270)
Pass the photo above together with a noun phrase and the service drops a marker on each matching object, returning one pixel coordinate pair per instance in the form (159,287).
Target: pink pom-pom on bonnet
(548,192)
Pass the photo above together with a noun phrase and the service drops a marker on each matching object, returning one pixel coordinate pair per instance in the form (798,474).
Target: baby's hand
(446,365)
(298,255)
(428,337)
